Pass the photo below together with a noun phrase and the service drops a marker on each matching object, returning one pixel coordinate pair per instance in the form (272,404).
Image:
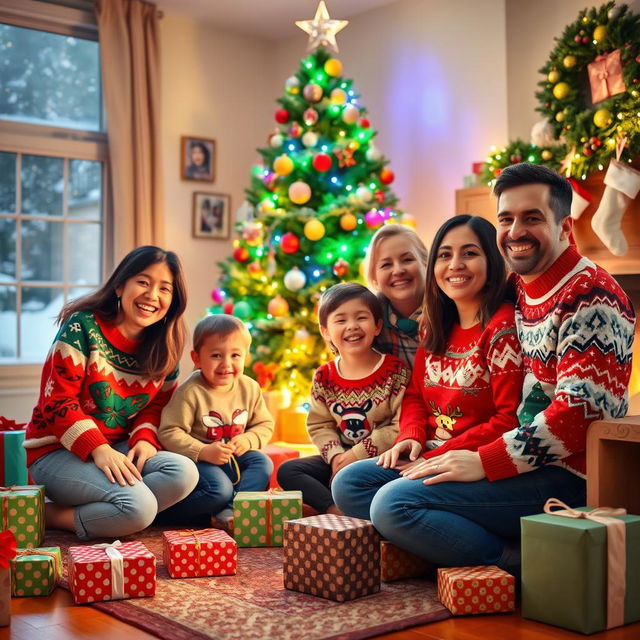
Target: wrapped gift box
(258,516)
(278,455)
(206,552)
(398,564)
(293,425)
(23,514)
(111,572)
(605,76)
(35,572)
(5,597)
(565,567)
(334,557)
(13,458)
(483,589)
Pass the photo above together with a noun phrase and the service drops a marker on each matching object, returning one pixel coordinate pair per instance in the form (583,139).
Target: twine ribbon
(117,568)
(195,533)
(616,552)
(57,569)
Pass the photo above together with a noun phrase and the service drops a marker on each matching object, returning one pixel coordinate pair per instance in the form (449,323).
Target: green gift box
(565,570)
(35,572)
(23,514)
(258,516)
(13,458)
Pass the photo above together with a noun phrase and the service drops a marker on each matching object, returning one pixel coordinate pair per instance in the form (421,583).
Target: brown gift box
(5,597)
(398,564)
(334,557)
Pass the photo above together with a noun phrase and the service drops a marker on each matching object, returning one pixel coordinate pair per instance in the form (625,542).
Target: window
(53,227)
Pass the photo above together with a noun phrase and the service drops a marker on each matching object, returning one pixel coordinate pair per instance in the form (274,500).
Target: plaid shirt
(394,340)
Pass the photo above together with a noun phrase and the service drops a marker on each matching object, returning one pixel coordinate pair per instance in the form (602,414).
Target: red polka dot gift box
(111,572)
(196,553)
(398,564)
(483,589)
(23,514)
(331,556)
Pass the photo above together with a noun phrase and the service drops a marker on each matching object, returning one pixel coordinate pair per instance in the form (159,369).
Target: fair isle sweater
(92,392)
(469,395)
(360,415)
(576,327)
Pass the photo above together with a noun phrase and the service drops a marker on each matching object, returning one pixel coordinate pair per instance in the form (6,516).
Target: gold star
(322,31)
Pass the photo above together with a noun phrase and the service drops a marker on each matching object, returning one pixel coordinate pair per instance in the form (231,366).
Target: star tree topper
(322,31)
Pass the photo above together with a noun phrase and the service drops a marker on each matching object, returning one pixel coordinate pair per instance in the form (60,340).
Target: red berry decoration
(387,176)
(578,39)
(585,39)
(282,116)
(365,124)
(322,162)
(290,242)
(241,254)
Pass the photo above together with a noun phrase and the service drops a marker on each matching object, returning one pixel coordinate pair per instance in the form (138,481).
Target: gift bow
(616,552)
(11,425)
(7,548)
(117,568)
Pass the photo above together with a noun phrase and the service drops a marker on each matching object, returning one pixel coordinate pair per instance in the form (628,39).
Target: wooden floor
(57,618)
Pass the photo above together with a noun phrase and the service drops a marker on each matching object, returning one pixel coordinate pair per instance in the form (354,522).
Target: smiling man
(575,323)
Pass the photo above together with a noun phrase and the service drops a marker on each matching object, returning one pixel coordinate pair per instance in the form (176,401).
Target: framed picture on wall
(211,215)
(197,158)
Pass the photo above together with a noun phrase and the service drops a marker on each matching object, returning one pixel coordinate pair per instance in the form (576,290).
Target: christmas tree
(318,195)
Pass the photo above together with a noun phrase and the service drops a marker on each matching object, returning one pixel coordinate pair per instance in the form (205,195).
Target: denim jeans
(105,509)
(452,523)
(215,489)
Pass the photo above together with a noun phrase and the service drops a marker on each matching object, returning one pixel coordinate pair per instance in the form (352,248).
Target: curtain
(130,51)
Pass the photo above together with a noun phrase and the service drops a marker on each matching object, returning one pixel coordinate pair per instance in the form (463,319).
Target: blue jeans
(215,489)
(452,523)
(105,509)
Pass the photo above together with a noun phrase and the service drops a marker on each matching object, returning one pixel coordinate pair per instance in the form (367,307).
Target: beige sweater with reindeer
(197,415)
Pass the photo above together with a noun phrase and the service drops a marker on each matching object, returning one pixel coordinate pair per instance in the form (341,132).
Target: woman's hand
(115,465)
(453,466)
(142,450)
(215,453)
(389,459)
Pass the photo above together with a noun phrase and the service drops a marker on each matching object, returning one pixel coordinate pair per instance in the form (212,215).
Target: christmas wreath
(591,91)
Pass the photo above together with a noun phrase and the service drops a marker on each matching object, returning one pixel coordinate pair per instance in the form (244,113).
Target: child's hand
(239,445)
(389,459)
(215,453)
(340,461)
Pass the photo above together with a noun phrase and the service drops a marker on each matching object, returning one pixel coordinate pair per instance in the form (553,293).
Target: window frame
(20,137)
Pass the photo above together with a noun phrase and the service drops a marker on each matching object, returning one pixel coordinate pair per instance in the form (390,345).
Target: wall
(531,30)
(433,78)
(219,86)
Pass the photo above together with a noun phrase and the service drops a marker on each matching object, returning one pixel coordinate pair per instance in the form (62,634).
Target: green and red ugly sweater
(469,395)
(92,392)
(576,327)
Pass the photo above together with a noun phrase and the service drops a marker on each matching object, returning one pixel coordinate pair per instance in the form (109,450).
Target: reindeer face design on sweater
(217,430)
(353,424)
(445,421)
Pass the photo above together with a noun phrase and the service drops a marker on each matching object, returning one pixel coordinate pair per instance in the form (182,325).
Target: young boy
(219,419)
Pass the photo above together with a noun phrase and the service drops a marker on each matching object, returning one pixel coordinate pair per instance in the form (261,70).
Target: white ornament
(613,13)
(364,194)
(542,135)
(310,139)
(350,114)
(295,279)
(275,141)
(292,83)
(373,155)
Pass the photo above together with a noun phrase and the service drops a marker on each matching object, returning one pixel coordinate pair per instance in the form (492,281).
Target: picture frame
(197,158)
(211,215)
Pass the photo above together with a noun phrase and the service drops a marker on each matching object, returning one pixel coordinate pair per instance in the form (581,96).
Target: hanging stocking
(622,186)
(581,199)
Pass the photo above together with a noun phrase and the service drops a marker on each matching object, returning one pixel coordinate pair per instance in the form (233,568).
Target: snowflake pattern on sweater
(93,392)
(576,326)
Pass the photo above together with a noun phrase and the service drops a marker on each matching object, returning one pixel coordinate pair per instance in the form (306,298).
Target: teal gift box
(13,458)
(565,569)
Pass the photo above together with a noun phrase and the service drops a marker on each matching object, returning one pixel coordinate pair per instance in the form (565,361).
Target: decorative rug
(254,605)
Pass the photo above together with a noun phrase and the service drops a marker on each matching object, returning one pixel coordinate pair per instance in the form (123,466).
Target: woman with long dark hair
(92,439)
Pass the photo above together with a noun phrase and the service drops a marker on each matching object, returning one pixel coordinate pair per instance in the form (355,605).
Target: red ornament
(379,195)
(282,116)
(387,176)
(585,40)
(228,308)
(322,162)
(578,39)
(364,123)
(241,254)
(496,172)
(341,267)
(290,242)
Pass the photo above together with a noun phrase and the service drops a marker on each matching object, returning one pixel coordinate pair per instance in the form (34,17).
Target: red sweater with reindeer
(468,396)
(92,392)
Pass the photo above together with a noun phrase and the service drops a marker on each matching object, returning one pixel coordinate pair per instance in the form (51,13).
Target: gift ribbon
(117,568)
(7,548)
(616,552)
(57,569)
(195,533)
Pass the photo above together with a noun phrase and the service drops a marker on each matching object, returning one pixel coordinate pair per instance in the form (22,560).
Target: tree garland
(590,130)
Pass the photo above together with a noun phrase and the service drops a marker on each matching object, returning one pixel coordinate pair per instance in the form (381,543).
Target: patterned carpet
(253,605)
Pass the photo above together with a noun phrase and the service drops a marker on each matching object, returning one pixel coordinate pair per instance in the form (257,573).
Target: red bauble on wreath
(290,242)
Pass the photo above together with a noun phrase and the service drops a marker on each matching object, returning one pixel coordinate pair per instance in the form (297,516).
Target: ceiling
(270,19)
